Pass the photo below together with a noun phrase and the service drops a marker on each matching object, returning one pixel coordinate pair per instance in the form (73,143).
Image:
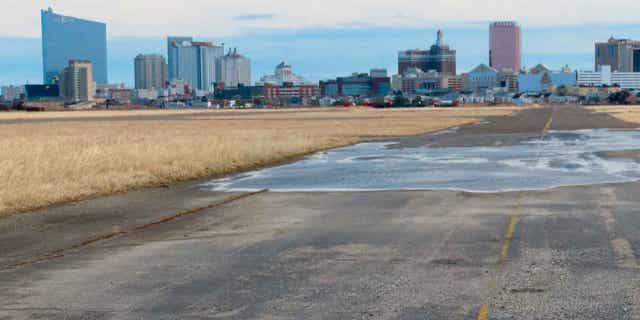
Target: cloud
(204,18)
(254,17)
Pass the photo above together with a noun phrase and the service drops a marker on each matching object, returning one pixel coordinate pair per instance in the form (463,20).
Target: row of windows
(612,51)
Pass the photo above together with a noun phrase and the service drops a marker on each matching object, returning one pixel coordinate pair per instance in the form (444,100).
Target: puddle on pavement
(563,158)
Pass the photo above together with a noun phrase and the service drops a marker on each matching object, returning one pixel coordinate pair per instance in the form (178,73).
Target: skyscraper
(623,55)
(76,81)
(441,58)
(197,63)
(411,59)
(234,69)
(172,54)
(68,38)
(150,71)
(438,58)
(505,46)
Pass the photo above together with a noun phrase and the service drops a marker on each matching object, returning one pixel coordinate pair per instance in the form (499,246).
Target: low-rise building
(604,77)
(289,93)
(11,93)
(122,96)
(178,88)
(147,94)
(455,83)
(482,78)
(541,79)
(374,84)
(102,90)
(42,92)
(239,93)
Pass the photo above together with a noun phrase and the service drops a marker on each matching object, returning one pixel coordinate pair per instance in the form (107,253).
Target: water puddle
(563,158)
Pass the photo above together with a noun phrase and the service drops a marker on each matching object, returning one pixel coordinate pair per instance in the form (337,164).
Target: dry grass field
(625,113)
(49,158)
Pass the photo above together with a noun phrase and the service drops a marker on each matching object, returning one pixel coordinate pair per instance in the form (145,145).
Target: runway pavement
(186,253)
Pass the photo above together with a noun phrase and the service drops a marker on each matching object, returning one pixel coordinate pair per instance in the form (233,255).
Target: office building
(440,58)
(505,46)
(289,93)
(76,82)
(234,69)
(150,71)
(42,92)
(605,77)
(374,84)
(197,63)
(412,59)
(356,85)
(283,74)
(623,55)
(239,93)
(172,54)
(11,93)
(68,38)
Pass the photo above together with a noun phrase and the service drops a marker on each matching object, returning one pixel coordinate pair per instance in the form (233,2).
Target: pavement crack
(103,237)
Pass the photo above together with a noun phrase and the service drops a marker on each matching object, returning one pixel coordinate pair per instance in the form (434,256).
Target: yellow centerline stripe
(483,313)
(504,251)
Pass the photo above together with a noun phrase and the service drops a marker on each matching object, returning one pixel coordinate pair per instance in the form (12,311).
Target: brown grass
(624,113)
(44,163)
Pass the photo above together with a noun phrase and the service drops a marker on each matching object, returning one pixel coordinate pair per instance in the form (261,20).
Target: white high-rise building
(234,69)
(283,73)
(10,93)
(150,71)
(197,63)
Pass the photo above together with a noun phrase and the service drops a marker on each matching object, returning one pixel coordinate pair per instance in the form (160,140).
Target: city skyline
(22,62)
(312,45)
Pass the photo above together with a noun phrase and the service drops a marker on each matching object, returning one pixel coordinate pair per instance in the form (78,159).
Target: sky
(321,39)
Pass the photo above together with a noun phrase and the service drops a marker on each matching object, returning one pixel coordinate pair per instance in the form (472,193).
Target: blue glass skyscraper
(68,38)
(172,54)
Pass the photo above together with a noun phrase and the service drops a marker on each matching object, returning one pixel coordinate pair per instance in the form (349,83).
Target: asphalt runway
(187,253)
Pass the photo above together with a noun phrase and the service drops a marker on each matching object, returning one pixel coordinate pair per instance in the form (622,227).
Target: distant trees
(620,97)
(400,101)
(562,91)
(418,102)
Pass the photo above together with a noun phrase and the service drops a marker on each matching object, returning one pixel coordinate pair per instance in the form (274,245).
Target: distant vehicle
(447,103)
(347,104)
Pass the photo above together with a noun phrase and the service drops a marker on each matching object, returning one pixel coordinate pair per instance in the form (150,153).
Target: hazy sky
(215,18)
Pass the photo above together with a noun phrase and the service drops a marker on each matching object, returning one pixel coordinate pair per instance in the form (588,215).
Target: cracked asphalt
(567,253)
